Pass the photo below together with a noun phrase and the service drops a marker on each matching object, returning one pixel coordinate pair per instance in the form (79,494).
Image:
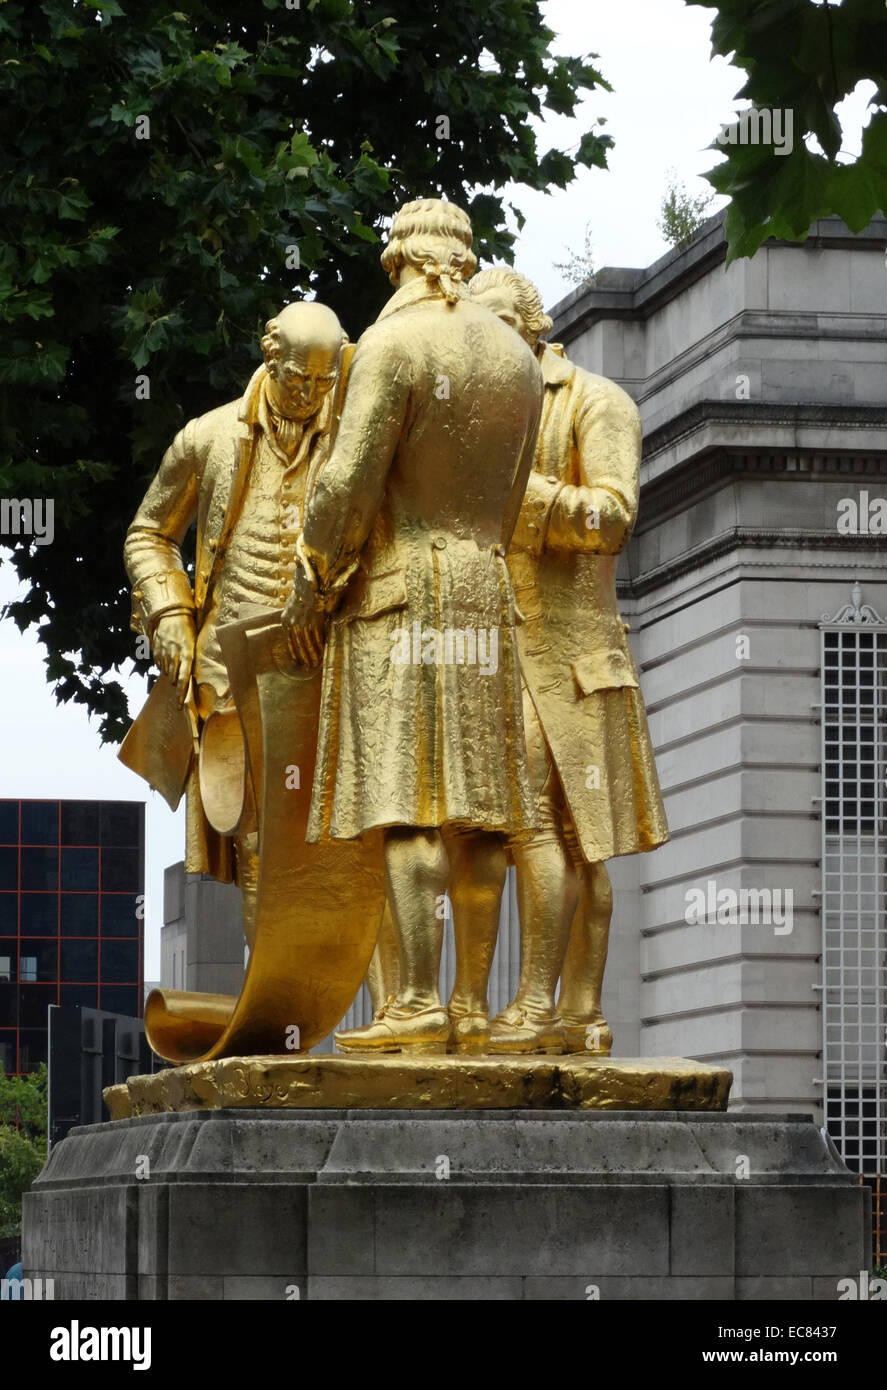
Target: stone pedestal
(494,1204)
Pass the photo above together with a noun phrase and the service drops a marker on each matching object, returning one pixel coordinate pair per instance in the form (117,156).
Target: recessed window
(120,1000)
(84,996)
(80,870)
(79,961)
(40,822)
(8,869)
(39,914)
(121,824)
(40,869)
(8,822)
(9,1005)
(120,870)
(120,962)
(79,914)
(854,884)
(33,1004)
(39,961)
(32,1049)
(80,822)
(119,914)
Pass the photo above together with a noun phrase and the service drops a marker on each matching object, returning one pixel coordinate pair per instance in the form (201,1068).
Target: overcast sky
(668,103)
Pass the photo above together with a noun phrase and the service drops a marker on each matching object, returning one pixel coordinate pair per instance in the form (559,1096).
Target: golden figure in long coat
(403,547)
(240,472)
(593,769)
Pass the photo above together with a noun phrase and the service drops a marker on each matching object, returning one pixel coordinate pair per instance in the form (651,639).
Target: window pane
(79,960)
(39,914)
(80,914)
(120,870)
(8,914)
(7,1052)
(40,822)
(40,868)
(8,822)
(39,961)
(33,1050)
(80,822)
(85,996)
(8,1006)
(119,1000)
(120,962)
(119,915)
(80,868)
(8,869)
(6,964)
(121,823)
(34,1002)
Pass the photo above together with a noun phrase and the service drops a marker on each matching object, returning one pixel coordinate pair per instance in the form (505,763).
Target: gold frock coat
(203,476)
(578,512)
(425,483)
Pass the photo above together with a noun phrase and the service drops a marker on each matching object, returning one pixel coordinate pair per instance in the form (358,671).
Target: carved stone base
(398,1082)
(500,1204)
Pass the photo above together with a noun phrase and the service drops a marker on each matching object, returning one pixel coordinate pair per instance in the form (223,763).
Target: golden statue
(345,689)
(591,760)
(232,718)
(402,570)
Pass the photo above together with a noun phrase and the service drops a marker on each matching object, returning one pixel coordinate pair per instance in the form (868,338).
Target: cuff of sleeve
(329,594)
(162,593)
(536,508)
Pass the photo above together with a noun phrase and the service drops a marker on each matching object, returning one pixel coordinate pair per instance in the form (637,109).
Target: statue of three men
(473,484)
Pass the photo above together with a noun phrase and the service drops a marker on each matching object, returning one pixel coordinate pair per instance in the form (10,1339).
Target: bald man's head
(301,348)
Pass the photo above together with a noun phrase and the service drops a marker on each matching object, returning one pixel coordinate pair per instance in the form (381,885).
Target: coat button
(439,543)
(498,549)
(214,545)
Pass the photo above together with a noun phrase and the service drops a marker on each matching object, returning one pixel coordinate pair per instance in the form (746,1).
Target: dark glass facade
(72,883)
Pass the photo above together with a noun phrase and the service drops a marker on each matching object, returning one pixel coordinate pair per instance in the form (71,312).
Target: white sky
(668,104)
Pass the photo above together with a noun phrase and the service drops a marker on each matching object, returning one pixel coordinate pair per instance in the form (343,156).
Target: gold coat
(578,512)
(435,445)
(202,478)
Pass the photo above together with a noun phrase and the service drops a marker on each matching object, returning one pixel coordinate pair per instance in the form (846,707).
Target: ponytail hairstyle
(435,237)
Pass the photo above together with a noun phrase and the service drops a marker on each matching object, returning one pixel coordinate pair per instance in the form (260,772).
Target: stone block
(522,1230)
(418,1289)
(703,1234)
(237,1228)
(802,1230)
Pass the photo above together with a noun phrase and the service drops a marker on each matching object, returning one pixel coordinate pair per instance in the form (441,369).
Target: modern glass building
(71,916)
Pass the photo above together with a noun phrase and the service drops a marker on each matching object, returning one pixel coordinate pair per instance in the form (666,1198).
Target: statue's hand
(304,622)
(173,649)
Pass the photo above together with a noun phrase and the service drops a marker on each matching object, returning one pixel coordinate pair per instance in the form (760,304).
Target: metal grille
(854,887)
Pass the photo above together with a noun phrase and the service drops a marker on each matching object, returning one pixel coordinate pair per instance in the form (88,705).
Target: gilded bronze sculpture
(367,694)
(592,762)
(242,472)
(404,548)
